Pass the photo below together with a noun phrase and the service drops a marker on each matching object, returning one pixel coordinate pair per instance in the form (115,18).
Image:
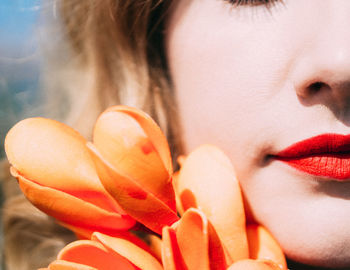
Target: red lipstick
(326,155)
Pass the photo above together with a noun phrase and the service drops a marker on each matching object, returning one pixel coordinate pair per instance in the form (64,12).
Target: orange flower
(133,161)
(207,181)
(192,243)
(126,174)
(56,173)
(189,244)
(104,252)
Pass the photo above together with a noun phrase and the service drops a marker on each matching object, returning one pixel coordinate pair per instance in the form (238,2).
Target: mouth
(326,155)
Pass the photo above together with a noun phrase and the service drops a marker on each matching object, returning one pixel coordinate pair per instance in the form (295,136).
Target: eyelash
(267,3)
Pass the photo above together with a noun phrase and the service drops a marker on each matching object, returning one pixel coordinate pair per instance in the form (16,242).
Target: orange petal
(91,253)
(171,255)
(54,155)
(72,210)
(216,251)
(80,233)
(134,144)
(262,245)
(85,234)
(64,265)
(207,180)
(155,245)
(192,237)
(199,242)
(254,265)
(138,256)
(140,204)
(179,206)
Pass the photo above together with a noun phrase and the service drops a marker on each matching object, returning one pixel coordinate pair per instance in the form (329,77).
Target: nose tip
(324,75)
(323,63)
(328,88)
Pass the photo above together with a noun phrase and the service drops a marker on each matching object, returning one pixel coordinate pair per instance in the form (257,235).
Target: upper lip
(324,144)
(326,156)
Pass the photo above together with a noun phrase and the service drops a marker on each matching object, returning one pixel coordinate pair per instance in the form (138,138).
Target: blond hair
(119,45)
(116,57)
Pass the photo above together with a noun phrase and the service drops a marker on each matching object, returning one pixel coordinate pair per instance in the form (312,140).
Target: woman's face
(255,80)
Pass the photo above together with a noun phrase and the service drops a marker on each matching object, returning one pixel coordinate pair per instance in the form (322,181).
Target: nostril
(316,87)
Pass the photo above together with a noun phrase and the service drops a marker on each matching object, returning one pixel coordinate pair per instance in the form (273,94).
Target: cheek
(226,76)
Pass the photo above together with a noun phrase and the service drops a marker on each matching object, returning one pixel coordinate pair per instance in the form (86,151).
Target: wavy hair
(115,56)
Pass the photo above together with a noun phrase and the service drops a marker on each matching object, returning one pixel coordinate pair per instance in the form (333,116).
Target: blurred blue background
(19,61)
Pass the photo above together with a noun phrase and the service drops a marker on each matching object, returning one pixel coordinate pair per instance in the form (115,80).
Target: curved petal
(192,238)
(72,210)
(54,155)
(198,242)
(152,130)
(207,180)
(179,206)
(155,246)
(171,255)
(134,144)
(85,234)
(131,196)
(94,254)
(262,245)
(216,250)
(139,257)
(249,264)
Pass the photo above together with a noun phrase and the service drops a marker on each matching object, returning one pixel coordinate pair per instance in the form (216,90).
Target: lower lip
(336,166)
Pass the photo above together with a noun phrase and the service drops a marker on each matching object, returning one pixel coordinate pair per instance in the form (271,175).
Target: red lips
(326,155)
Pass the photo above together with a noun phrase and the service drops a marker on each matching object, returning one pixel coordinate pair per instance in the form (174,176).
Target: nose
(323,75)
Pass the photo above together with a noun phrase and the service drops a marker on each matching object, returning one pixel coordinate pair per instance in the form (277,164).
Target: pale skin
(242,78)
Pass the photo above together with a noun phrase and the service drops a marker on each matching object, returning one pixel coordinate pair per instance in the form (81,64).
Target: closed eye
(267,3)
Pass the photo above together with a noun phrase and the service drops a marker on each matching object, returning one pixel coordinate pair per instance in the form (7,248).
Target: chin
(309,217)
(328,246)
(326,258)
